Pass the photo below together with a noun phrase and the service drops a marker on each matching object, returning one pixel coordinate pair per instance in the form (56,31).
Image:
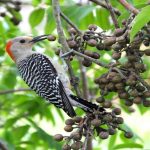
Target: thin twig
(129,7)
(6,1)
(14,90)
(114,19)
(91,59)
(63,42)
(84,81)
(142,81)
(98,2)
(70,22)
(2,146)
(120,72)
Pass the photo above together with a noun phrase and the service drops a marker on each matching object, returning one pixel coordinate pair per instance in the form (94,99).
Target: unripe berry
(116,46)
(95,55)
(69,122)
(146,103)
(107,118)
(92,27)
(58,137)
(100,46)
(66,147)
(128,134)
(124,95)
(147,52)
(68,128)
(51,38)
(92,42)
(128,102)
(111,131)
(107,104)
(103,135)
(117,111)
(116,79)
(146,94)
(72,31)
(76,136)
(137,100)
(109,41)
(88,53)
(119,120)
(100,99)
(77,119)
(134,93)
(86,63)
(72,44)
(2,14)
(96,122)
(118,32)
(76,145)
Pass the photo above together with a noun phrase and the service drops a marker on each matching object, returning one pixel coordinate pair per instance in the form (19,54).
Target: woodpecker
(44,76)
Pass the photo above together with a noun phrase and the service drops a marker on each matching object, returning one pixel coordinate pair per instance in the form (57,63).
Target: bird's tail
(85,105)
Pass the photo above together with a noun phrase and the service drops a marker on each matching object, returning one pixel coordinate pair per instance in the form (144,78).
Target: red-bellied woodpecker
(44,76)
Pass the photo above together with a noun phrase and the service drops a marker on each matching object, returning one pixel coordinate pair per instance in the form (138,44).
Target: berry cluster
(98,124)
(11,11)
(123,77)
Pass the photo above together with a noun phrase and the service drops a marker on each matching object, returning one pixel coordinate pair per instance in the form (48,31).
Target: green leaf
(9,79)
(19,132)
(46,137)
(102,17)
(128,145)
(124,15)
(36,17)
(139,21)
(112,141)
(78,12)
(142,109)
(11,121)
(50,21)
(36,2)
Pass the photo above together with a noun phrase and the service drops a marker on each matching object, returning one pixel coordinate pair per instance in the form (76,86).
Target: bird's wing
(41,76)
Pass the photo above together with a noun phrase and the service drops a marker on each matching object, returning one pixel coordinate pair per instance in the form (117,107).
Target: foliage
(21,113)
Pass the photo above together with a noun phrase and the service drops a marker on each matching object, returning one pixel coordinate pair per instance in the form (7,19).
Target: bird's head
(22,44)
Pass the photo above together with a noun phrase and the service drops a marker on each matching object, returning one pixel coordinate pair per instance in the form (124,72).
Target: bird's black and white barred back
(41,76)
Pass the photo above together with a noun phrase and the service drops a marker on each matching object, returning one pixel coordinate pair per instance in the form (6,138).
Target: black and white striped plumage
(41,76)
(46,77)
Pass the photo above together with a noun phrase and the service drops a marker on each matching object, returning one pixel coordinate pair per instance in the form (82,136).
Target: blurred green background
(26,121)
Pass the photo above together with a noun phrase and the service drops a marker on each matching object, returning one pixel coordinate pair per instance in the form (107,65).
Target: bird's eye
(22,41)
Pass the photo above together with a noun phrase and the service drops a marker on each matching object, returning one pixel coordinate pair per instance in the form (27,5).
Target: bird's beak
(38,38)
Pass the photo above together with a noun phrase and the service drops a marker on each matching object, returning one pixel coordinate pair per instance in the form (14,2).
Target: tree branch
(2,146)
(112,14)
(91,59)
(129,6)
(84,81)
(142,81)
(63,42)
(14,90)
(70,22)
(98,2)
